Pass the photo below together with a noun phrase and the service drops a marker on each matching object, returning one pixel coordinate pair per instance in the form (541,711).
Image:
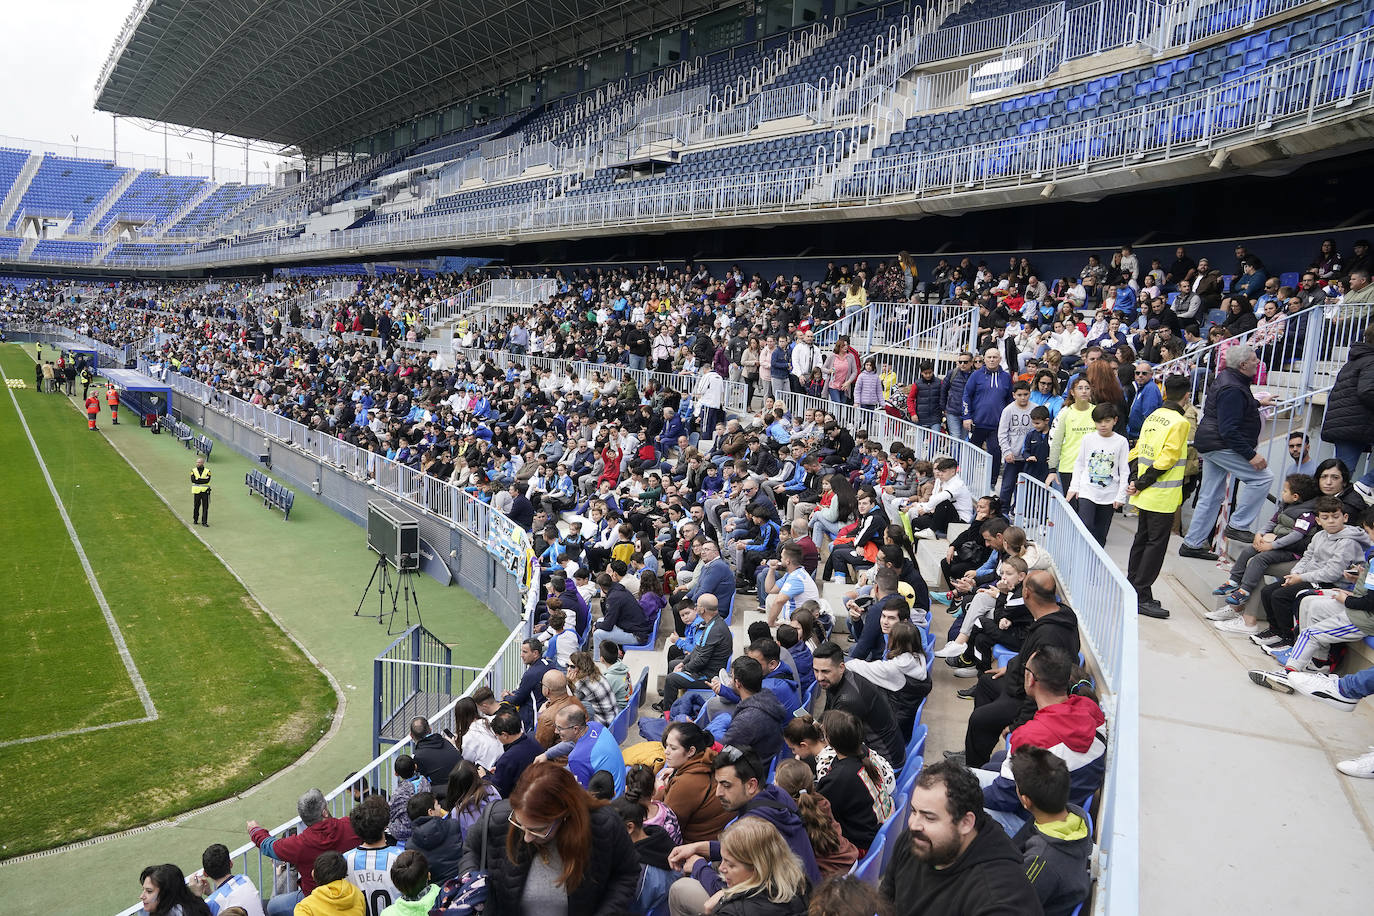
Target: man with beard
(954,860)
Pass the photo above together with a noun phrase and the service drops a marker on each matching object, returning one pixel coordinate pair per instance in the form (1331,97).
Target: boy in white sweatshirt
(1101,473)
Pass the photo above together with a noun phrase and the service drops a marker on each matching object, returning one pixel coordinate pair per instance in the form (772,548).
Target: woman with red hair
(539,850)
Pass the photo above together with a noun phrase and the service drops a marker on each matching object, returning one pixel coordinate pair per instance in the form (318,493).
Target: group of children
(1322,596)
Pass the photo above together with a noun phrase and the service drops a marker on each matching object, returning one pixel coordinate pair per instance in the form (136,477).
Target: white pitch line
(150,711)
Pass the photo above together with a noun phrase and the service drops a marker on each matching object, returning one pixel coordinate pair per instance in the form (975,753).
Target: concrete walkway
(309,573)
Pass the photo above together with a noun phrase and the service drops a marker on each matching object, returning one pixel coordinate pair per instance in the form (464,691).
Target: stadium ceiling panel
(320,73)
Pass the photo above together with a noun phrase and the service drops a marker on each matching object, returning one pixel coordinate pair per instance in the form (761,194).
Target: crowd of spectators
(649,508)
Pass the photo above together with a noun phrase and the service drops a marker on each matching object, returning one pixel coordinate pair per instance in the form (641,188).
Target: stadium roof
(318,74)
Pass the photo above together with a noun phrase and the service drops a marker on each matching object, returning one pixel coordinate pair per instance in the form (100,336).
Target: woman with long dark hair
(689,787)
(841,508)
(469,794)
(164,893)
(539,849)
(472,735)
(851,780)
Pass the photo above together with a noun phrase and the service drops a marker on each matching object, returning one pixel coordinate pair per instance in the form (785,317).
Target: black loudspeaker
(394,535)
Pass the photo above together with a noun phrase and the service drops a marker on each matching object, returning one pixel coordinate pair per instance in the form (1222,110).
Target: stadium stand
(66,186)
(150,200)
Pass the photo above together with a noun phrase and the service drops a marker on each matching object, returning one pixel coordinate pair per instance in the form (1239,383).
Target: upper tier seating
(11,164)
(221,202)
(64,185)
(1048,109)
(151,199)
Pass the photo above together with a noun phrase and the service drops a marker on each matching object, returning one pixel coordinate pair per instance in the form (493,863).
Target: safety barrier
(1096,588)
(1299,353)
(414,676)
(939,332)
(604,374)
(274,495)
(975,464)
(502,673)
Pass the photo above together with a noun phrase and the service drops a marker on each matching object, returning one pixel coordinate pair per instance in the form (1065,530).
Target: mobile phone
(448,733)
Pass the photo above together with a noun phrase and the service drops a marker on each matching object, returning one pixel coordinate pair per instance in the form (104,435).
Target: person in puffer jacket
(439,838)
(988,391)
(759,717)
(1056,844)
(1069,726)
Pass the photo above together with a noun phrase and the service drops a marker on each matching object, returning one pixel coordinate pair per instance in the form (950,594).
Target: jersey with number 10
(370,871)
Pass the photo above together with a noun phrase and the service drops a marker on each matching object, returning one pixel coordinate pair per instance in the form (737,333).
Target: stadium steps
(98,213)
(21,184)
(176,217)
(27,248)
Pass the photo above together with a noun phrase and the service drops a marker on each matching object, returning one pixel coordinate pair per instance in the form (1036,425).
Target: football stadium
(602,433)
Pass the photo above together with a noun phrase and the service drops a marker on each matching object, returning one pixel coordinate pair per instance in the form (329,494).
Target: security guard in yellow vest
(1158,461)
(200,493)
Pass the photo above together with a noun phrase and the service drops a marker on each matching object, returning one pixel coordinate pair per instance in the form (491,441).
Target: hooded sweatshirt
(419,907)
(1056,858)
(1328,556)
(987,879)
(337,898)
(777,808)
(1074,731)
(758,722)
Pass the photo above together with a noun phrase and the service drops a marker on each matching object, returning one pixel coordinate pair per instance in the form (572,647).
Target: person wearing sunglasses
(552,848)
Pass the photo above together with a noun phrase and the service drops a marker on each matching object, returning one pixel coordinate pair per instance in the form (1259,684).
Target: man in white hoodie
(1011,436)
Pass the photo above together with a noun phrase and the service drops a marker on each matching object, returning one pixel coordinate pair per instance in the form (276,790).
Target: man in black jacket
(1227,438)
(954,860)
(435,756)
(846,690)
(999,697)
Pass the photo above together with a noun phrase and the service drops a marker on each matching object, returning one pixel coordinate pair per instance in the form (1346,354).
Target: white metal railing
(1105,604)
(978,37)
(937,330)
(502,674)
(1179,23)
(1326,82)
(566,369)
(1301,353)
(975,464)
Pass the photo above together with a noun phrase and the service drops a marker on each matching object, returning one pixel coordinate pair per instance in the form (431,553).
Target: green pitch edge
(309,572)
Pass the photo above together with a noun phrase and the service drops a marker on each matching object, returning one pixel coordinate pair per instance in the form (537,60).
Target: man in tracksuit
(988,391)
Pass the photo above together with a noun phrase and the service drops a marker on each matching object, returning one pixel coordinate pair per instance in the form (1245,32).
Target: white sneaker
(1237,624)
(1225,612)
(925,534)
(1366,492)
(1323,687)
(1361,767)
(950,650)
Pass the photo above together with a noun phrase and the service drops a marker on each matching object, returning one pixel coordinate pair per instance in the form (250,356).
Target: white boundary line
(149,710)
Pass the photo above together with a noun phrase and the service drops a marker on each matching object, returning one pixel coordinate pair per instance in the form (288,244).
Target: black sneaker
(1267,637)
(1239,534)
(1196,553)
(967,693)
(955,756)
(959,661)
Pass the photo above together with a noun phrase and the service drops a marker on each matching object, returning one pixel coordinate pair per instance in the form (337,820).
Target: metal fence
(736,393)
(1299,354)
(501,674)
(414,676)
(975,465)
(937,332)
(1105,603)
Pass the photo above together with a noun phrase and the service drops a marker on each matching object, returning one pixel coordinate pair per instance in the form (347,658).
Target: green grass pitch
(236,699)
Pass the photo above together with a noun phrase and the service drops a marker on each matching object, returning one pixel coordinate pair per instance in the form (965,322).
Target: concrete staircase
(21,184)
(89,223)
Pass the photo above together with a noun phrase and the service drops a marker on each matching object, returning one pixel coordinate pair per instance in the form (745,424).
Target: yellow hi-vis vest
(200,480)
(1163,444)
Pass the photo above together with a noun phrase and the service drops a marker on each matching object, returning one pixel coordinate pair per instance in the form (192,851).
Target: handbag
(466,895)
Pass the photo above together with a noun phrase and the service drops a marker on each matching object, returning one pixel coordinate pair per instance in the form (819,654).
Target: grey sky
(54,49)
